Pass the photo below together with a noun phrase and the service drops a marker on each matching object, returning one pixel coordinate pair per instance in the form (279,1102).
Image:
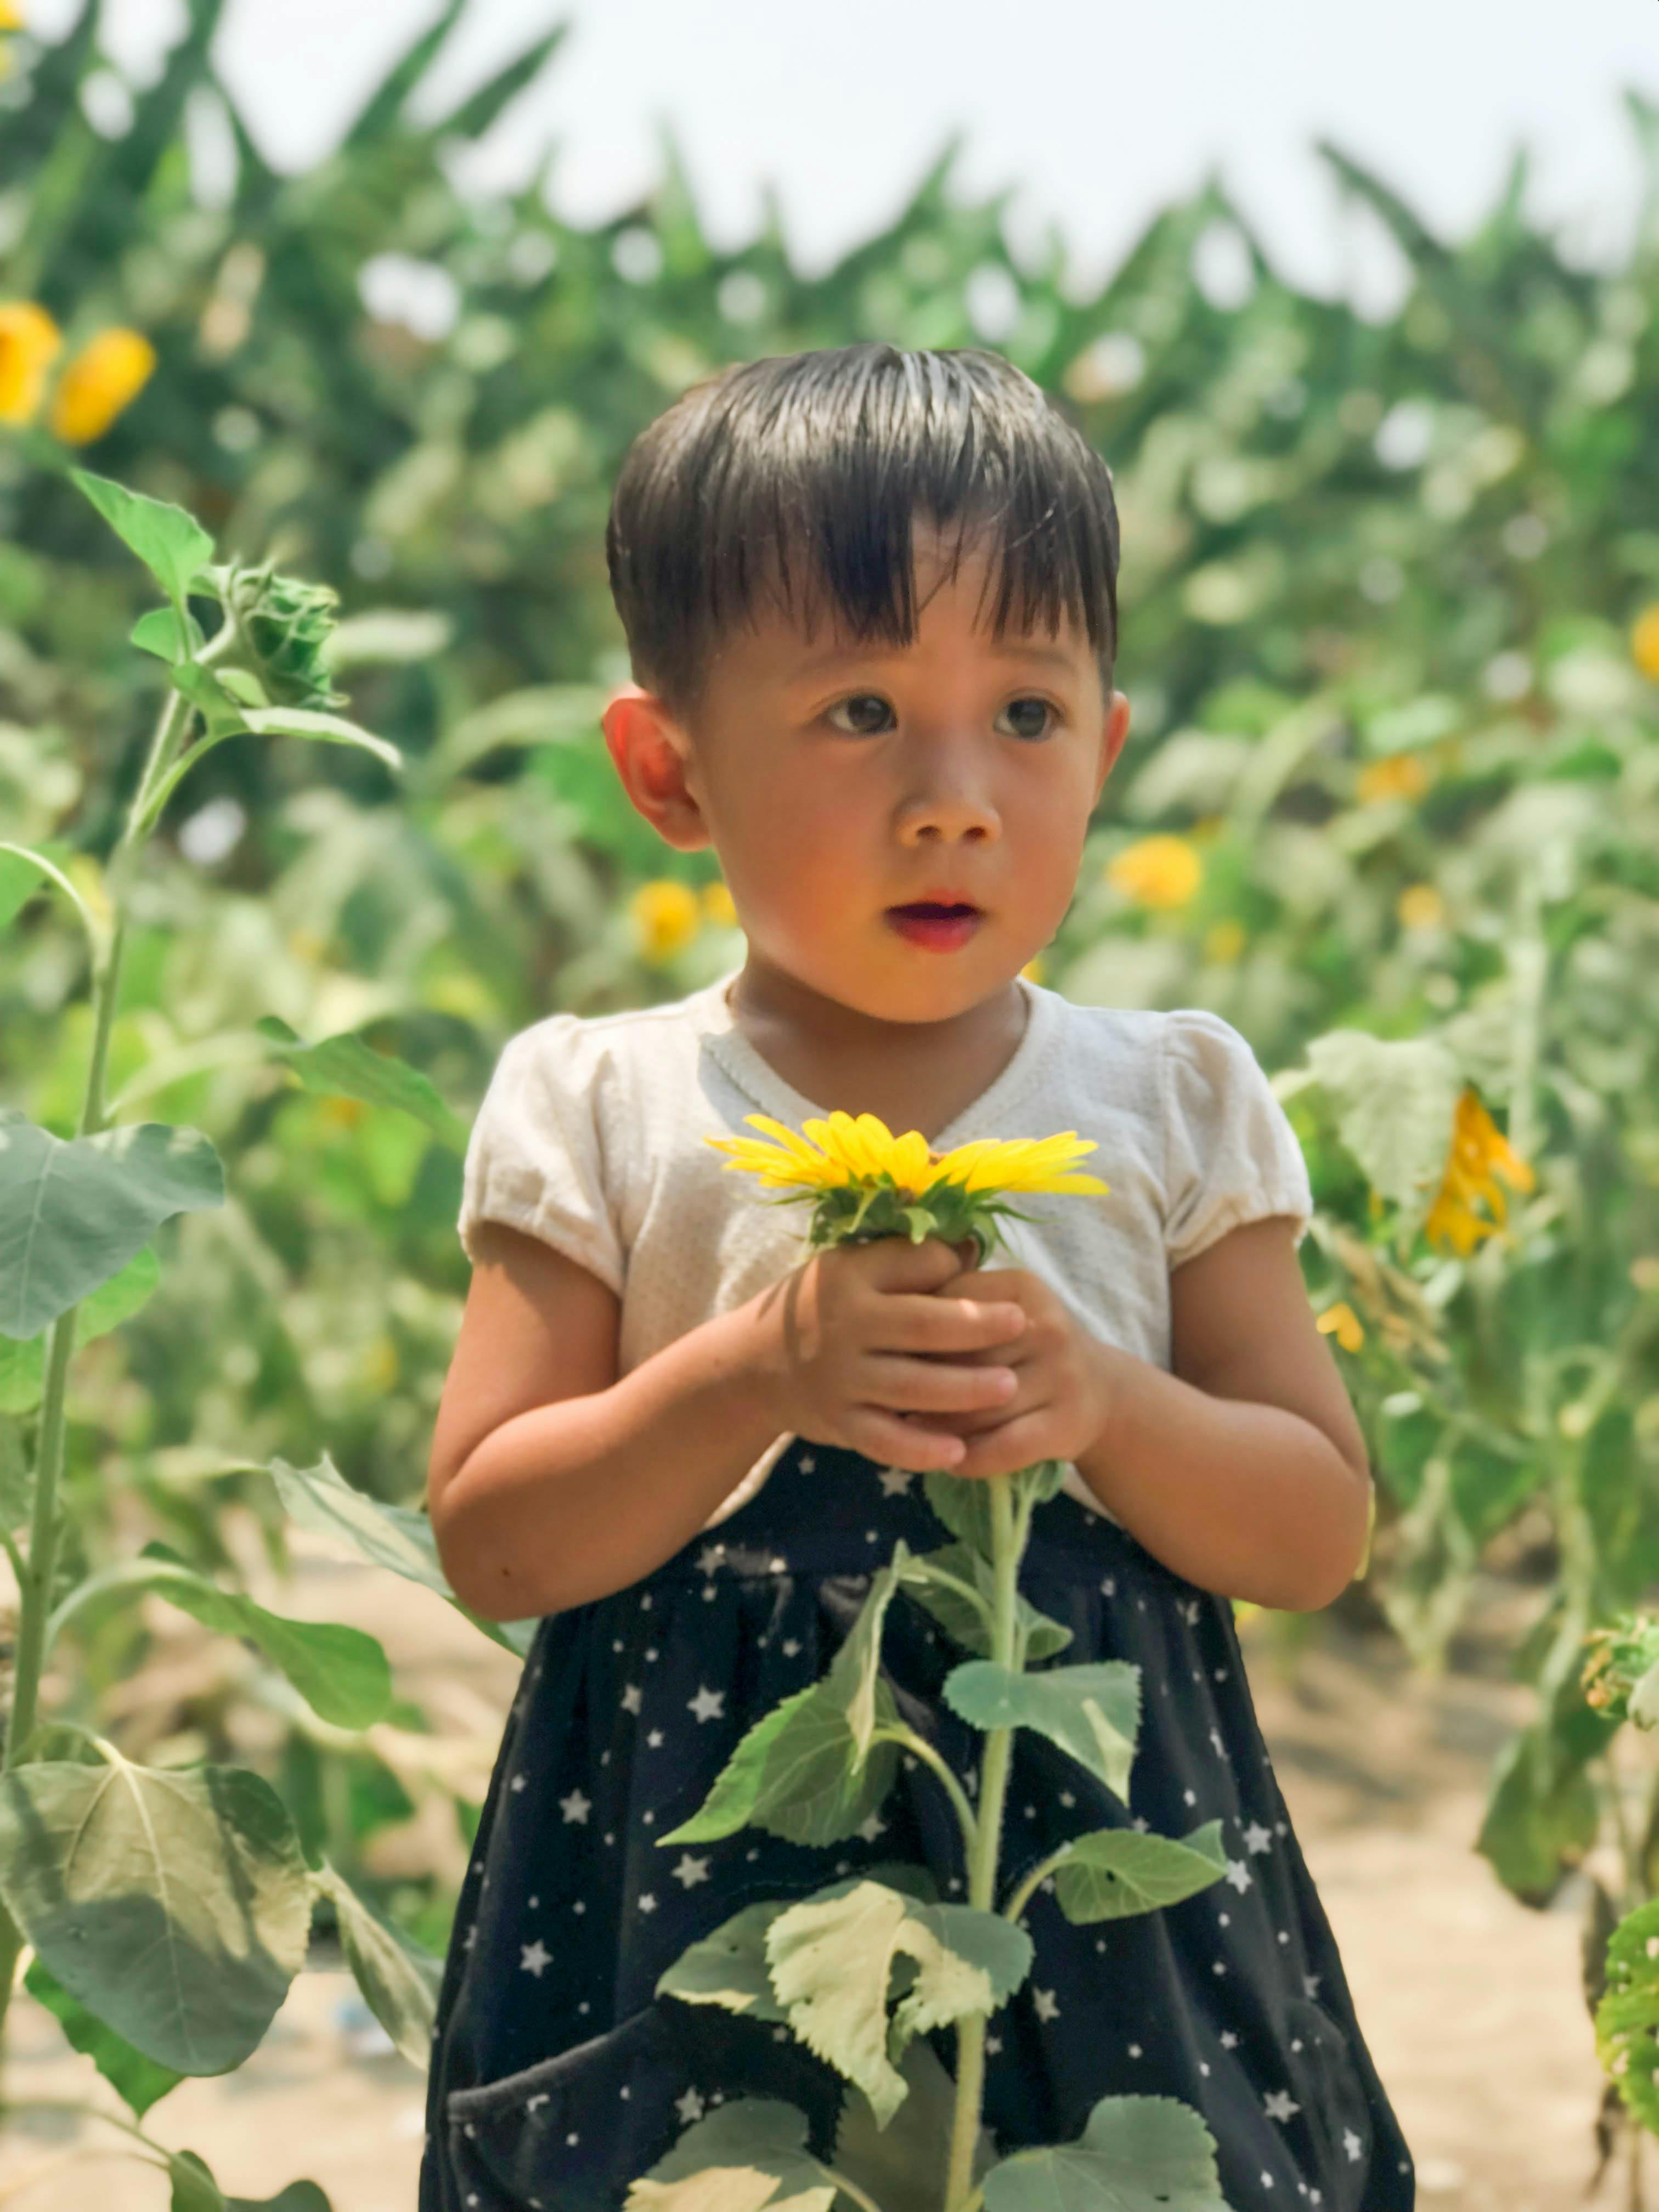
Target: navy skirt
(558,2077)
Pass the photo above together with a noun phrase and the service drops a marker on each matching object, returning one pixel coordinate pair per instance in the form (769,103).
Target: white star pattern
(1220,1747)
(1188,1609)
(896,1480)
(1047,2009)
(709,1559)
(516,1784)
(690,2107)
(790,1645)
(630,1697)
(1310,1984)
(870,1827)
(1240,1875)
(535,1956)
(1229,2040)
(689,1870)
(575,1807)
(1353,2146)
(648,1903)
(992,2045)
(1258,1839)
(1279,2104)
(654,1739)
(707,1705)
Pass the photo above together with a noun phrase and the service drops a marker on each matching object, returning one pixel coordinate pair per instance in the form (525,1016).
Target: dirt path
(1469,2002)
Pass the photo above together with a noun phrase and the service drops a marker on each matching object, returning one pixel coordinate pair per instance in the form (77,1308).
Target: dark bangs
(800,477)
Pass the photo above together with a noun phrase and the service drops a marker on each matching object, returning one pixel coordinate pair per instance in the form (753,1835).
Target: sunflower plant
(827,1967)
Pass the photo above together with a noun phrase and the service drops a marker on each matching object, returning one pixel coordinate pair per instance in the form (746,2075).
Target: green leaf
(194,2188)
(73,1212)
(735,2159)
(1135,2155)
(22,872)
(728,1967)
(346,1066)
(139,2081)
(340,1672)
(957,1585)
(298,2196)
(832,1957)
(399,1978)
(1115,1873)
(172,544)
(158,632)
(1091,1712)
(221,709)
(23,1366)
(797,1773)
(17,1477)
(311,722)
(173,1902)
(852,1675)
(899,2167)
(1627,2014)
(392,1536)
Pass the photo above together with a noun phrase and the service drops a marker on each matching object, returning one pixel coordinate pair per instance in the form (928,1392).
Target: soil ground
(1470,2002)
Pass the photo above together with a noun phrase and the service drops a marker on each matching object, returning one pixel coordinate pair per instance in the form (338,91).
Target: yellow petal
(29,340)
(106,375)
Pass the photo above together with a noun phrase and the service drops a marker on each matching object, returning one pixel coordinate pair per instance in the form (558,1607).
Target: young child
(870,598)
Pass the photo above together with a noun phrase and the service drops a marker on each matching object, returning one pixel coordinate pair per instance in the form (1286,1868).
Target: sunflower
(868,1181)
(1480,1150)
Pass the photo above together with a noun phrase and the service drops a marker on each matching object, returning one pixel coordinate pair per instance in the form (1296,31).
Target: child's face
(837,781)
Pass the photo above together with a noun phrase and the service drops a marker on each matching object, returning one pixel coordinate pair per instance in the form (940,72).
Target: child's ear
(650,753)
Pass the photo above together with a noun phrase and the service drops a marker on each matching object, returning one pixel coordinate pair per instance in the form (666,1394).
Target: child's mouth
(939,928)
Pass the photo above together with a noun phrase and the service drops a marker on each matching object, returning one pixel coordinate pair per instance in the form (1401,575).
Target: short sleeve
(535,1158)
(1230,1155)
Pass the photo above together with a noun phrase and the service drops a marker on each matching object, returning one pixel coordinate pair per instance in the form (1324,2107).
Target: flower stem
(1007,1534)
(899,1732)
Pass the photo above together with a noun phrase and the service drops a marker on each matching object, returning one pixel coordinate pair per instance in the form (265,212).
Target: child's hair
(827,457)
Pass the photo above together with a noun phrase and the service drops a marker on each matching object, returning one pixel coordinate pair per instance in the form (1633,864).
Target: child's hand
(1062,1392)
(852,1349)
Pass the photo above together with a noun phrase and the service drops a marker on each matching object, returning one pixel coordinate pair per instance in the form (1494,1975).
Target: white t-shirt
(591,1136)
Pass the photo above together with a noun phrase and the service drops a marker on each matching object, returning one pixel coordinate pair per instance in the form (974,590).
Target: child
(870,598)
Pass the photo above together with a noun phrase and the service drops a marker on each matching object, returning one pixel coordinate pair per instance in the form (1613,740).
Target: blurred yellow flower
(1160,872)
(717,905)
(107,374)
(29,340)
(1035,969)
(1644,642)
(11,20)
(378,1366)
(1341,1321)
(340,1113)
(305,944)
(666,915)
(1400,776)
(1420,906)
(1478,1150)
(1226,940)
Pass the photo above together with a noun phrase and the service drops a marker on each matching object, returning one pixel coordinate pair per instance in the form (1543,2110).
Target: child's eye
(859,703)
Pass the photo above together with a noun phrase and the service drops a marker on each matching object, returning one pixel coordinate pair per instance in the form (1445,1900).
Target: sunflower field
(1390,804)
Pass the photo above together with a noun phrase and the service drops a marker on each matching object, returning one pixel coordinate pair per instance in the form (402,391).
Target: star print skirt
(558,2075)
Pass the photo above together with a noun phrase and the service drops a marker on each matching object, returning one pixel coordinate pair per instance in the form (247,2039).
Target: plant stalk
(1007,1541)
(34,1585)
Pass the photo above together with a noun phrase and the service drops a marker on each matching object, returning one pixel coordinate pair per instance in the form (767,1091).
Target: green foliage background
(1419,542)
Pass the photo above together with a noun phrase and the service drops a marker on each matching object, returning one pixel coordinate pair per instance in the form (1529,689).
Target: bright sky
(1099,113)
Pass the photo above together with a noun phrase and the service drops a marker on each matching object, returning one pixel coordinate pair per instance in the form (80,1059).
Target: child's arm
(552,1483)
(1243,1467)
